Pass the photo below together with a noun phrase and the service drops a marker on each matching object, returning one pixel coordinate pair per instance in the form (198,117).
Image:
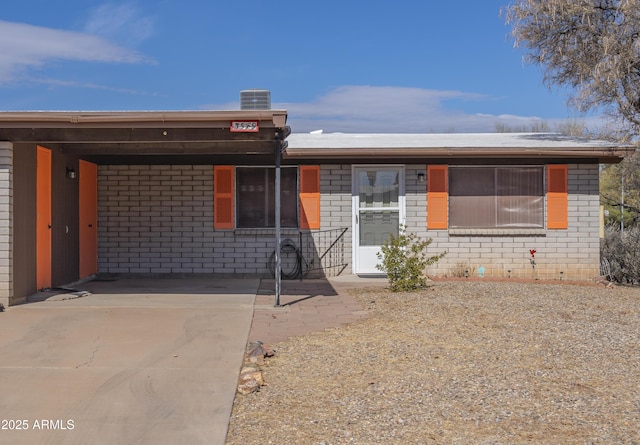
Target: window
(255,197)
(496,197)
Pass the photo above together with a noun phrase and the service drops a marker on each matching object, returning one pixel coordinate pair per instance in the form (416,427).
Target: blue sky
(352,66)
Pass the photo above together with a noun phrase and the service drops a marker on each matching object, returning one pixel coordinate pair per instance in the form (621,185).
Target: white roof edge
(444,140)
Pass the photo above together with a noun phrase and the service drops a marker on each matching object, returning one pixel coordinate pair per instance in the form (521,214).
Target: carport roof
(119,134)
(145,132)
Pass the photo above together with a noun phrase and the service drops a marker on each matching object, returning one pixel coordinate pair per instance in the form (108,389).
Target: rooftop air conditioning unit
(255,100)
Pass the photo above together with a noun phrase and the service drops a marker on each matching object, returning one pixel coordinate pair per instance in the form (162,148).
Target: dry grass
(459,362)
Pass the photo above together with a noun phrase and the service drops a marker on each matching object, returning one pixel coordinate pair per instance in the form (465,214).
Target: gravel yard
(459,362)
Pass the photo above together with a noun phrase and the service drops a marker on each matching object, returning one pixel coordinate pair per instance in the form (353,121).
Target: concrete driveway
(135,362)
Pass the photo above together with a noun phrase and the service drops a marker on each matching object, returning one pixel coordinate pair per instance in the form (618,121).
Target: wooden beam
(132,135)
(163,148)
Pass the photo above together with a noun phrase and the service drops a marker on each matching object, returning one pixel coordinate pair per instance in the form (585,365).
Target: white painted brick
(177,203)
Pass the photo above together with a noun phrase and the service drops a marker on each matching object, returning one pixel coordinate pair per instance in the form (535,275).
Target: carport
(52,165)
(136,361)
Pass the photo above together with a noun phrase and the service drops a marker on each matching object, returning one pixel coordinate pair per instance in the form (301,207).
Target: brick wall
(335,213)
(6,223)
(575,252)
(159,220)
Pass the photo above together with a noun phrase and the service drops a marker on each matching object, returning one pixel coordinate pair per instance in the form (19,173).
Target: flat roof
(436,140)
(204,131)
(49,119)
(338,145)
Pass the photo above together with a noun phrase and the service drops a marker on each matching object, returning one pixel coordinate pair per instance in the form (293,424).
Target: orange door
(88,183)
(43,218)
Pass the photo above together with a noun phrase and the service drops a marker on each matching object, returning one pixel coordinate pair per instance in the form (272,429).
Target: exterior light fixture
(420,177)
(71,173)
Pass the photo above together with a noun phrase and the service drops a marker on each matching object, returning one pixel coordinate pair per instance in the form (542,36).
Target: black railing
(314,253)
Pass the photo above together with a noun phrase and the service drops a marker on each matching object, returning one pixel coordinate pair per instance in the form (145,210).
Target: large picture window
(255,197)
(496,197)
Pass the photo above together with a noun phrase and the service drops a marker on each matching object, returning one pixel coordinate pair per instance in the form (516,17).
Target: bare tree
(591,46)
(620,189)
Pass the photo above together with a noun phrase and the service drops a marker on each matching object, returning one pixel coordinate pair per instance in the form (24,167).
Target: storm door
(378,211)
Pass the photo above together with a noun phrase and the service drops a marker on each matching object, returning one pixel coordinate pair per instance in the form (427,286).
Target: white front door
(378,211)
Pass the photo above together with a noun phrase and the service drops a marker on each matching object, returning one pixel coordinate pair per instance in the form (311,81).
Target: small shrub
(404,260)
(462,270)
(622,251)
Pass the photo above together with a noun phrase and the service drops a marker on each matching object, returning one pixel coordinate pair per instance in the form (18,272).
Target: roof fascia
(605,154)
(141,119)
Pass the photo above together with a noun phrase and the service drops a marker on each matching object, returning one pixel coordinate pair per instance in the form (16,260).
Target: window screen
(255,198)
(496,197)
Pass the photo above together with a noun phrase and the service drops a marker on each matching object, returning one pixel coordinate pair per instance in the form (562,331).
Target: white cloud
(119,22)
(92,86)
(24,47)
(369,109)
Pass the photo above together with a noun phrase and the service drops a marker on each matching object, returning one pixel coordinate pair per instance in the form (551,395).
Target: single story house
(489,200)
(192,192)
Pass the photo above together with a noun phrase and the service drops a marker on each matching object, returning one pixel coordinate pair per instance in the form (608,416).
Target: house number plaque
(244,126)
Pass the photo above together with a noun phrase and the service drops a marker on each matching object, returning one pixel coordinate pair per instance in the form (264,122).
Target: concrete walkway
(148,361)
(135,362)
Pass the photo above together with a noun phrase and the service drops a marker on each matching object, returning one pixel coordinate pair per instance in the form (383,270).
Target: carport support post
(278,266)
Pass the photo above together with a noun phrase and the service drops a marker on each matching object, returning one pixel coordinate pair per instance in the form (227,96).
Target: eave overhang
(604,156)
(145,132)
(452,146)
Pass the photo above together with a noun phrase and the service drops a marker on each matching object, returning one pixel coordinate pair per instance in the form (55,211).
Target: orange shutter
(437,197)
(309,197)
(557,197)
(223,209)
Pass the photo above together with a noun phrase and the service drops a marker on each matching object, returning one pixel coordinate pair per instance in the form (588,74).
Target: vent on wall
(255,100)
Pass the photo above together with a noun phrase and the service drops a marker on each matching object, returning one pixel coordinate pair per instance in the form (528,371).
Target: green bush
(404,260)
